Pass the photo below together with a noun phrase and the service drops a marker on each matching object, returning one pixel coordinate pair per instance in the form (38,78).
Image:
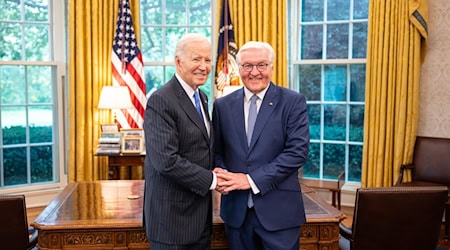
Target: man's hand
(231,181)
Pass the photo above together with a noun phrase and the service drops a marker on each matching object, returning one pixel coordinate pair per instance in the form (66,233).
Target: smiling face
(194,64)
(255,80)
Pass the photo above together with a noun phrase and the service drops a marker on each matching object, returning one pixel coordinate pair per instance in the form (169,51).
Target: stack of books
(109,143)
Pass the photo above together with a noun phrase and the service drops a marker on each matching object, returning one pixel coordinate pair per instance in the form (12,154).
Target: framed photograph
(132,132)
(132,144)
(109,128)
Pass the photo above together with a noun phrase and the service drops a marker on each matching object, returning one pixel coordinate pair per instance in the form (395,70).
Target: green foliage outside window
(15,167)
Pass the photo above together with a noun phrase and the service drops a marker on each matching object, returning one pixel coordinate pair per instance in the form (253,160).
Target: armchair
(395,218)
(14,232)
(430,167)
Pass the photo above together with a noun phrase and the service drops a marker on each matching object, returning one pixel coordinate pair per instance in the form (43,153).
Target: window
(328,48)
(163,23)
(31,52)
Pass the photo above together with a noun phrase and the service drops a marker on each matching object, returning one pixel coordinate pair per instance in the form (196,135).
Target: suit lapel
(187,106)
(237,108)
(270,101)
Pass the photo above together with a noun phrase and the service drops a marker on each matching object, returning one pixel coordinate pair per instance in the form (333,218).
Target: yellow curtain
(91,25)
(264,21)
(397,33)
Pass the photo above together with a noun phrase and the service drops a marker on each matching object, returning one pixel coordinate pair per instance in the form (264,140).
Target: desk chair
(14,232)
(395,218)
(430,167)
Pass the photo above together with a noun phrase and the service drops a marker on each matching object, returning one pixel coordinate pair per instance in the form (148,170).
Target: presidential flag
(227,71)
(128,68)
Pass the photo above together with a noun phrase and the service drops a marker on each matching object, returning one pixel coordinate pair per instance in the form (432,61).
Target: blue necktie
(251,119)
(197,104)
(252,113)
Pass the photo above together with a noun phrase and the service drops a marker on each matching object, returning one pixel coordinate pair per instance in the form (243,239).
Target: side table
(126,160)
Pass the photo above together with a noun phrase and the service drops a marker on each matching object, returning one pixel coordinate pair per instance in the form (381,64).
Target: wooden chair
(14,232)
(430,167)
(395,218)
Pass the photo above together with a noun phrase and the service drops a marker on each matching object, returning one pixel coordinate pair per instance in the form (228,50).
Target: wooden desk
(108,215)
(335,187)
(115,161)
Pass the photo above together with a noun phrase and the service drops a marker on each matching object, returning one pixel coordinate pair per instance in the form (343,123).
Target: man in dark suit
(262,204)
(179,154)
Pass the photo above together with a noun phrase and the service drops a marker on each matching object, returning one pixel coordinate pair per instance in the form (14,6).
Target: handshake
(228,181)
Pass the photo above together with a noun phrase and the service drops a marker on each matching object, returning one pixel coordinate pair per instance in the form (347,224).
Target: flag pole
(225,42)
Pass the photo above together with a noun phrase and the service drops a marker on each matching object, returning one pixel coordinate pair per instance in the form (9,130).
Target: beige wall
(434,106)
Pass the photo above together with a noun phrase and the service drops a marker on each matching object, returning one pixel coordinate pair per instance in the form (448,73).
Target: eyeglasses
(259,66)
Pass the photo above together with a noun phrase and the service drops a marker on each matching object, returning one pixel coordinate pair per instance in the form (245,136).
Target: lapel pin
(270,103)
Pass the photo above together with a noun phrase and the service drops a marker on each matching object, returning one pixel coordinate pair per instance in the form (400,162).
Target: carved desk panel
(108,215)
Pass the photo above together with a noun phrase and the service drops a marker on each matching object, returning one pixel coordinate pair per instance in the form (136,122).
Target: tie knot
(253,98)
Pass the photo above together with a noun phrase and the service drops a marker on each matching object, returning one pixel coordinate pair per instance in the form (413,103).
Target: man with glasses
(261,140)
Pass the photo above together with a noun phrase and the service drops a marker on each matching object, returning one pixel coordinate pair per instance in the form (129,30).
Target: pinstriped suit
(177,202)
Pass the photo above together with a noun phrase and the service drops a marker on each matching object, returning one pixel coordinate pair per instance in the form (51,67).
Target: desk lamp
(115,97)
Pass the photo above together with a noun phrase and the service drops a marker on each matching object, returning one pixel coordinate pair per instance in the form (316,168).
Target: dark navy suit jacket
(279,147)
(178,163)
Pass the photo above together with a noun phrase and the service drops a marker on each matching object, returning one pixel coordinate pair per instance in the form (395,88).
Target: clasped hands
(228,181)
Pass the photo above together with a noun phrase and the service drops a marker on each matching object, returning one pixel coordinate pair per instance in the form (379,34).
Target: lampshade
(115,97)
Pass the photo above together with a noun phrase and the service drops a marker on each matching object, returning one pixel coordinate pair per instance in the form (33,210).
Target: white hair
(256,45)
(186,39)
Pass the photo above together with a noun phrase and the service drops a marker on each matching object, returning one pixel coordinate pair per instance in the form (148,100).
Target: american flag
(128,68)
(227,71)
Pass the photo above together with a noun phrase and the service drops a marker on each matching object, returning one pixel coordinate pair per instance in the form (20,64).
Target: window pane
(154,77)
(312,10)
(169,71)
(201,30)
(314,115)
(152,49)
(11,42)
(200,12)
(12,84)
(173,35)
(337,41)
(37,43)
(40,84)
(41,164)
(360,9)
(310,79)
(355,161)
(176,12)
(333,160)
(151,11)
(335,87)
(357,82)
(10,11)
(312,165)
(338,10)
(36,10)
(334,122)
(15,166)
(359,40)
(13,125)
(40,120)
(356,132)
(312,36)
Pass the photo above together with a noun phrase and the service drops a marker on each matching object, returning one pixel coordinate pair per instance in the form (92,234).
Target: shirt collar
(260,95)
(188,89)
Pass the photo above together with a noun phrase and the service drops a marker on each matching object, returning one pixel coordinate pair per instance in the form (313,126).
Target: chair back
(432,160)
(398,218)
(13,222)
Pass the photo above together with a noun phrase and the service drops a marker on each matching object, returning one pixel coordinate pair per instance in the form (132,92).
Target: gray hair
(256,45)
(186,39)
